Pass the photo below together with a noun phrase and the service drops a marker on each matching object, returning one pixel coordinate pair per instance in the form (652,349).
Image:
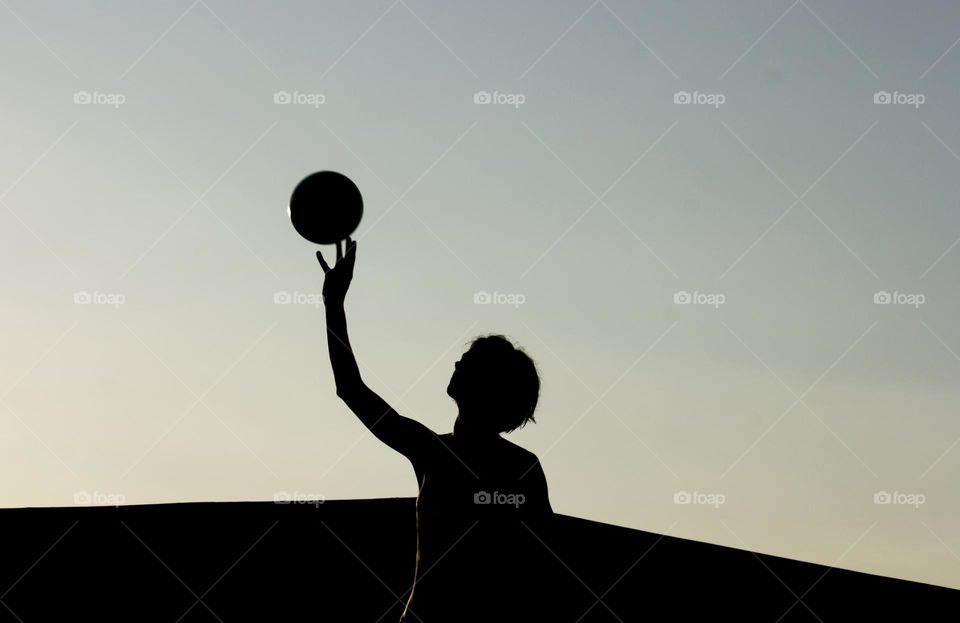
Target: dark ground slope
(353,561)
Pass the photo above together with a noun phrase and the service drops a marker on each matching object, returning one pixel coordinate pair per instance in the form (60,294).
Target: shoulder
(519,450)
(522,457)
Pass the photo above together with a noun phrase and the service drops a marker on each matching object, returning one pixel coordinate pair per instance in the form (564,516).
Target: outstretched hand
(336,280)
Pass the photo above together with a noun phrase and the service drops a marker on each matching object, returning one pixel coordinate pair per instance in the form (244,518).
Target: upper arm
(405,435)
(537,482)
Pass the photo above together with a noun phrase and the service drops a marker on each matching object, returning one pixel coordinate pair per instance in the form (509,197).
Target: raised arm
(407,436)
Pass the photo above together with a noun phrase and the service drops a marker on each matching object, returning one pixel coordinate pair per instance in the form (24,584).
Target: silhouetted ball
(325,207)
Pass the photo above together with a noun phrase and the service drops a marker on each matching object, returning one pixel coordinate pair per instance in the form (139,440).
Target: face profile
(453,379)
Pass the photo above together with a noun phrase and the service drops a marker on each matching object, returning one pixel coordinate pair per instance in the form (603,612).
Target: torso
(467,497)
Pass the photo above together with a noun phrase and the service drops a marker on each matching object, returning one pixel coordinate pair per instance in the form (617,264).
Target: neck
(462,430)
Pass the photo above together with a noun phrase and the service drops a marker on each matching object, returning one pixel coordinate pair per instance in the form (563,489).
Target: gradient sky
(597,200)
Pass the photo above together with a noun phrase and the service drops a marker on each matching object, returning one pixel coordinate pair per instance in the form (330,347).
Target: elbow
(349,393)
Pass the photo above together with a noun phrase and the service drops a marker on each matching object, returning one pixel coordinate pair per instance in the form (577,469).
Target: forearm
(375,414)
(346,374)
(407,436)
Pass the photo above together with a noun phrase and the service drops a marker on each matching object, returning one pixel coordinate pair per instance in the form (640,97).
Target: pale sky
(147,152)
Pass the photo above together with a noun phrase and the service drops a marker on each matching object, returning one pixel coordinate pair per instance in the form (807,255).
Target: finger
(323,264)
(339,251)
(351,245)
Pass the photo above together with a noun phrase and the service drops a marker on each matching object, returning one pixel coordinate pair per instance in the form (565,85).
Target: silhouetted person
(482,499)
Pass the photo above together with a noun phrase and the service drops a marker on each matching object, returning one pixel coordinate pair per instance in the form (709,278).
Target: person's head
(495,384)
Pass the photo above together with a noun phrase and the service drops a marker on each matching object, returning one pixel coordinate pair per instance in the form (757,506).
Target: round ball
(325,207)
